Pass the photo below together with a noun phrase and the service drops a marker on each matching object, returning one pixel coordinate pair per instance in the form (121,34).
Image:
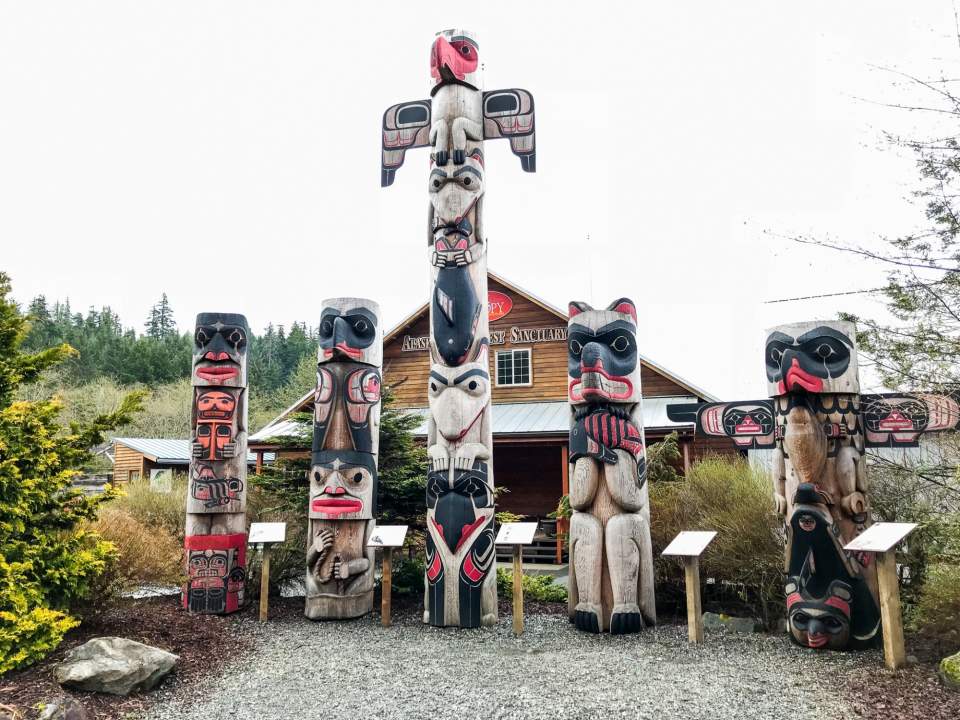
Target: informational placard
(690,543)
(880,537)
(517,533)
(388,536)
(272,532)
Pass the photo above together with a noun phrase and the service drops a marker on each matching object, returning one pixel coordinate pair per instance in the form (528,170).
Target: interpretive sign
(880,537)
(388,536)
(690,543)
(516,533)
(267,532)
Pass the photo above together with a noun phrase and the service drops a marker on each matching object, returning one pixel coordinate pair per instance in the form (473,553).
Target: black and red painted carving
(216,498)
(215,573)
(454,122)
(818,425)
(343,474)
(611,556)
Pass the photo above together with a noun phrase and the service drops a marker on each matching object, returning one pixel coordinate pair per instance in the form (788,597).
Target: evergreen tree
(47,561)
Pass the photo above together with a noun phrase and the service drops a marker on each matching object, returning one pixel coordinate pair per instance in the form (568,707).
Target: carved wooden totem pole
(216,529)
(343,473)
(454,122)
(818,424)
(611,557)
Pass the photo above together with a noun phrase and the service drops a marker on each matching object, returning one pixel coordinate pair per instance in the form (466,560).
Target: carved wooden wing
(509,114)
(405,126)
(749,423)
(899,419)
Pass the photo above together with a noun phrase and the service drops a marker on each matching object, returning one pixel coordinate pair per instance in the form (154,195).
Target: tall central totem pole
(454,122)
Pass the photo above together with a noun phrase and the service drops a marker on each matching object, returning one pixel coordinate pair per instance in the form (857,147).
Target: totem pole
(611,557)
(818,424)
(216,529)
(460,589)
(343,473)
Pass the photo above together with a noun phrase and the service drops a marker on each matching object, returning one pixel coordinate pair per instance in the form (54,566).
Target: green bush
(407,579)
(937,612)
(48,562)
(746,558)
(535,587)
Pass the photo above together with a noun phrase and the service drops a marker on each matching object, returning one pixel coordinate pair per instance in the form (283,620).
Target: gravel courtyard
(301,669)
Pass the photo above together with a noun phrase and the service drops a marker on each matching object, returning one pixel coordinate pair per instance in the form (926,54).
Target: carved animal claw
(459,156)
(443,157)
(781,503)
(854,503)
(626,618)
(230,450)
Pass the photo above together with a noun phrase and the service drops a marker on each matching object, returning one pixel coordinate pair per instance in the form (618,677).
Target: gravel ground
(301,669)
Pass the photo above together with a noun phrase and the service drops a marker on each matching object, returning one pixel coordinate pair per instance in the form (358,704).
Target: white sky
(228,154)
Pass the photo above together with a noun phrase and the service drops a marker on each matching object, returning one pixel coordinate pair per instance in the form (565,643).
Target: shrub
(937,613)
(407,579)
(535,587)
(48,561)
(145,554)
(731,497)
(165,511)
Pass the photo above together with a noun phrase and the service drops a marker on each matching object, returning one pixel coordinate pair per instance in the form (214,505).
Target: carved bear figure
(611,557)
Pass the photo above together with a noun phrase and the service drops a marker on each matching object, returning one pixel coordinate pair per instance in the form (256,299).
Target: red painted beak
(443,54)
(797,377)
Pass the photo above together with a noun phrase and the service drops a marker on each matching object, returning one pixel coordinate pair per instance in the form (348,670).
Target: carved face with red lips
(455,58)
(819,622)
(458,396)
(220,349)
(813,357)
(216,405)
(342,485)
(602,357)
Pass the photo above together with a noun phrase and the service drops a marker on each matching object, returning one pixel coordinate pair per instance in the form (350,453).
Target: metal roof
(529,418)
(167,451)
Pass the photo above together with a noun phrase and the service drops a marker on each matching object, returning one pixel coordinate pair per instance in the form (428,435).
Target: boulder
(114,665)
(950,671)
(64,708)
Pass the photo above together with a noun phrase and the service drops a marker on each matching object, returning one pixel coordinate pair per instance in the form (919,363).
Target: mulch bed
(201,641)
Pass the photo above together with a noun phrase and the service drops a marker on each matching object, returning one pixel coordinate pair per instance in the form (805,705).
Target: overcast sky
(227,153)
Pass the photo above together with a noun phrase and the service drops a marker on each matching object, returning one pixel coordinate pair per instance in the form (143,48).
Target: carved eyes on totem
(620,343)
(802,620)
(232,335)
(465,49)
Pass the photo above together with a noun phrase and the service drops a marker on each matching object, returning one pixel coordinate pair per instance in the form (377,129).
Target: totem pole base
(339,607)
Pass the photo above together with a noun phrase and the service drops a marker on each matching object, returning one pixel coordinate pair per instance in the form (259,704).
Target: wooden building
(528,368)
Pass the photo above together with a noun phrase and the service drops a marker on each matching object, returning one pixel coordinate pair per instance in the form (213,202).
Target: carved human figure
(216,499)
(343,475)
(611,556)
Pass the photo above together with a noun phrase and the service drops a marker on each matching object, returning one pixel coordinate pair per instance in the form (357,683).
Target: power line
(824,295)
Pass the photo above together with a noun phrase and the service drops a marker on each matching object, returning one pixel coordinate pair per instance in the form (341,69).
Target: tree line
(159,354)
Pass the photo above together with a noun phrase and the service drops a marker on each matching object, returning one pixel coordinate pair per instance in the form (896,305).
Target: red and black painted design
(459,541)
(219,349)
(215,573)
(349,391)
(807,361)
(829,603)
(216,499)
(899,419)
(211,490)
(598,433)
(750,424)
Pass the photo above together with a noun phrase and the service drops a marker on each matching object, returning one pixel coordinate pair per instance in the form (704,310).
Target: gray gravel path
(350,670)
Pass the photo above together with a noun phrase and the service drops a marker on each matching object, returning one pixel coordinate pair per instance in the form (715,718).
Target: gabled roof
(165,451)
(272,428)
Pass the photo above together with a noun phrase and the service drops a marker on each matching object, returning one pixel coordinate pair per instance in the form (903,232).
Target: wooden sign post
(517,535)
(690,544)
(881,540)
(265,536)
(387,537)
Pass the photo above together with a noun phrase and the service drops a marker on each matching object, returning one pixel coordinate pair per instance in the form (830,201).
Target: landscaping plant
(49,559)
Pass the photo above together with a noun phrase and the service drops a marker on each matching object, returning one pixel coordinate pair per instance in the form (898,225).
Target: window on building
(134,475)
(514,367)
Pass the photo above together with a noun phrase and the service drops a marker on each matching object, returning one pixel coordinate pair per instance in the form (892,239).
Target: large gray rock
(64,708)
(950,671)
(114,665)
